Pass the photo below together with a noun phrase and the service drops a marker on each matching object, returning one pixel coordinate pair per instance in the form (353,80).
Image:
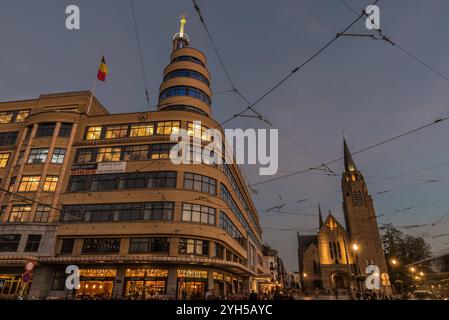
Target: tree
(405,249)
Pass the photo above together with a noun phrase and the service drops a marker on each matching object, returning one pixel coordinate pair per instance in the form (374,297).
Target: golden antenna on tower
(182,21)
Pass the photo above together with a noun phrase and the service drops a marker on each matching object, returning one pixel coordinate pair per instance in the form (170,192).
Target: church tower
(361,221)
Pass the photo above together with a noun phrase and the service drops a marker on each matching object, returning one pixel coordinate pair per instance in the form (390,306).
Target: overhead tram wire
(395,44)
(139,49)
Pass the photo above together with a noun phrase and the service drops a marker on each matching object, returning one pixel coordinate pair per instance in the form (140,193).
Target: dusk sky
(369,89)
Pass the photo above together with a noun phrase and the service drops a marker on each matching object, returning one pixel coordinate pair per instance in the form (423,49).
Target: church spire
(349,163)
(320,216)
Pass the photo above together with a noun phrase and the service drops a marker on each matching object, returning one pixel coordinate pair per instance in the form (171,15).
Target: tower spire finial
(182,22)
(349,162)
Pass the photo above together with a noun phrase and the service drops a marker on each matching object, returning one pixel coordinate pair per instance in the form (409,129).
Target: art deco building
(85,187)
(337,257)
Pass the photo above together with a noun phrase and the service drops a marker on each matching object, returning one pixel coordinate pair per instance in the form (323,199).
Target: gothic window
(357,199)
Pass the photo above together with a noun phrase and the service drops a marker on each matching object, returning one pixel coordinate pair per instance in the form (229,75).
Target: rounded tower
(186,79)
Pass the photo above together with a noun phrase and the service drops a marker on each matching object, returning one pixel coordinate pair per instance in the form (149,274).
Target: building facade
(337,256)
(84,187)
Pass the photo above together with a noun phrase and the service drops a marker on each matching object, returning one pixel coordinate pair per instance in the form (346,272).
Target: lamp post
(356,248)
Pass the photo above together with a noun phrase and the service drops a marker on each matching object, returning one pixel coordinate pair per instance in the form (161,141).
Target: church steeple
(349,162)
(320,216)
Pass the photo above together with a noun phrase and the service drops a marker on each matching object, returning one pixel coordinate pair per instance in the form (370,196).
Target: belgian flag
(102,70)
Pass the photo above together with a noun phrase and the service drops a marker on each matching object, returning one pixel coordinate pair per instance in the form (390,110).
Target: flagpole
(91,95)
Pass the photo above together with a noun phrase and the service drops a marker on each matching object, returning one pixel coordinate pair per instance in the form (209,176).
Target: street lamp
(394,262)
(304,275)
(355,247)
(412,269)
(421,273)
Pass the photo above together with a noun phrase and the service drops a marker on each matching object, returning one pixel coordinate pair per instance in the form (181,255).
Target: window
(67,246)
(58,155)
(198,131)
(194,246)
(162,179)
(45,129)
(37,155)
(20,213)
(185,91)
(188,58)
(142,130)
(59,280)
(148,245)
(104,182)
(32,244)
(11,184)
(4,157)
(227,225)
(29,183)
(101,245)
(116,131)
(133,180)
(65,130)
(9,242)
(159,210)
(109,154)
(357,199)
(185,73)
(50,183)
(20,157)
(22,115)
(118,212)
(199,182)
(8,138)
(139,152)
(42,213)
(160,151)
(85,155)
(6,117)
(78,183)
(219,251)
(93,133)
(198,213)
(168,127)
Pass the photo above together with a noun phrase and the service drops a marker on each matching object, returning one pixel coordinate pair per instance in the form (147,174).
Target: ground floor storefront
(135,282)
(12,284)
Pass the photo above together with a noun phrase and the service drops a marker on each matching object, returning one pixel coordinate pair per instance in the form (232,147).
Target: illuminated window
(91,273)
(50,183)
(58,155)
(22,115)
(353,177)
(38,155)
(189,273)
(29,183)
(20,213)
(4,157)
(198,131)
(117,131)
(168,127)
(194,246)
(332,224)
(93,133)
(139,152)
(198,213)
(141,130)
(160,151)
(6,117)
(108,154)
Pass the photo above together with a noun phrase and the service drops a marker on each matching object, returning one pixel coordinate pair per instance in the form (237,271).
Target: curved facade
(101,193)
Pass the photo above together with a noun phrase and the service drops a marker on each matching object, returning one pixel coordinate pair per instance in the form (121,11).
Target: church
(337,256)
